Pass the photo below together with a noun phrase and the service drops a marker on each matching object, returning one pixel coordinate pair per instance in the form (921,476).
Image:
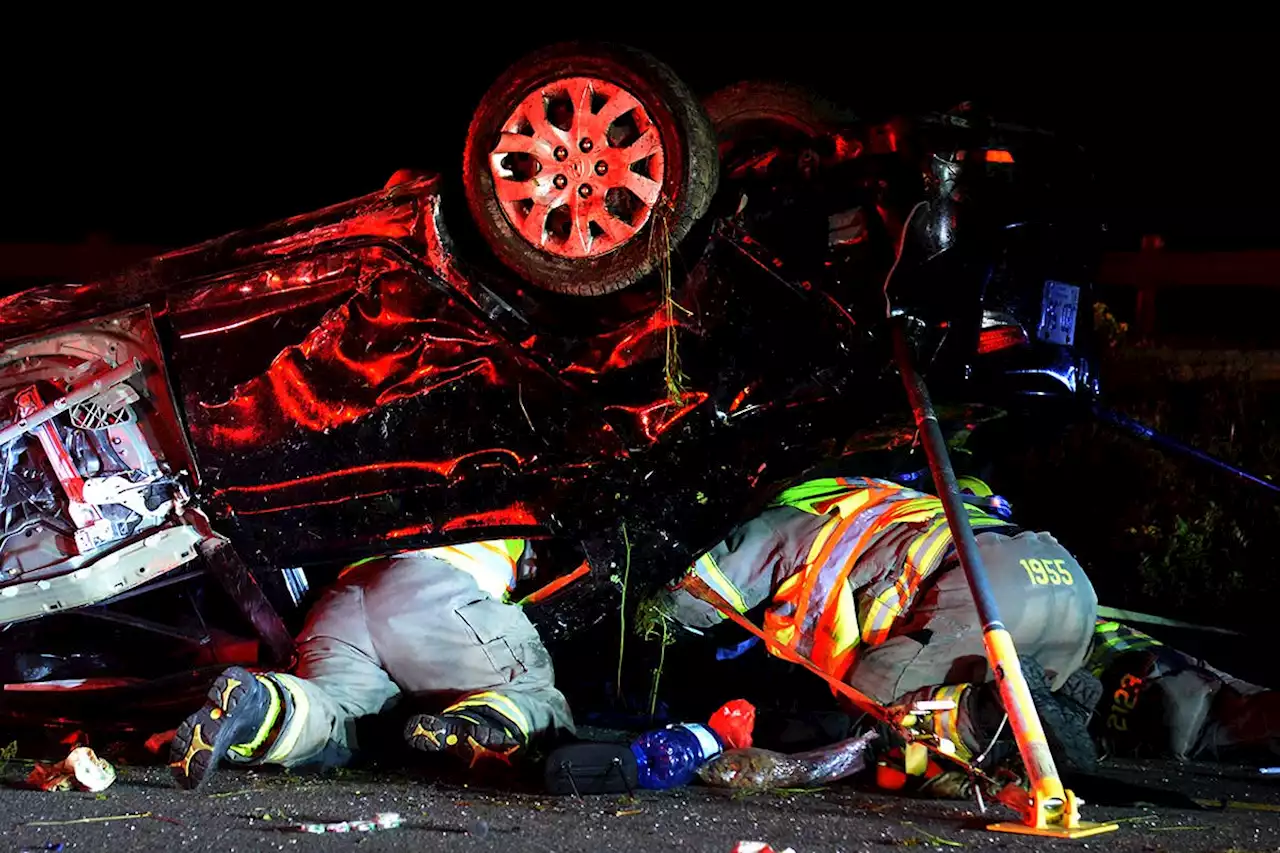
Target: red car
(642,318)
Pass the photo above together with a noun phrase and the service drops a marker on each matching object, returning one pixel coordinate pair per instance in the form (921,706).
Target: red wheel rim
(578,167)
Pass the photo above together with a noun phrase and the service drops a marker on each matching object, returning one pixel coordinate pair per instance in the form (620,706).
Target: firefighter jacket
(838,560)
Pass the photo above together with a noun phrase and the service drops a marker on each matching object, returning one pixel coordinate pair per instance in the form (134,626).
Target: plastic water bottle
(670,757)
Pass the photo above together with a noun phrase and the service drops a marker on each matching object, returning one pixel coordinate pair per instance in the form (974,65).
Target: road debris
(135,816)
(931,838)
(81,770)
(159,742)
(734,722)
(762,769)
(757,847)
(382,820)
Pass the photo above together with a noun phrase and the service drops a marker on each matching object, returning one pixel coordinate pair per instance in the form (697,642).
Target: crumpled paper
(757,847)
(81,770)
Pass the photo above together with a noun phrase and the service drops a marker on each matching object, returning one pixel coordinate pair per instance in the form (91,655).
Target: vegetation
(1160,532)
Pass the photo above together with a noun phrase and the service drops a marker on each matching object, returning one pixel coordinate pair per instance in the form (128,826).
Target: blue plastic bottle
(670,757)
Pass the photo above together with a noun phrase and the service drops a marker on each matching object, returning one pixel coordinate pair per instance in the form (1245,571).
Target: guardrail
(1154,269)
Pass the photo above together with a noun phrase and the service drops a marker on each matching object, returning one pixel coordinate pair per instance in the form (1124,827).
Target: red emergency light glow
(999,338)
(991,155)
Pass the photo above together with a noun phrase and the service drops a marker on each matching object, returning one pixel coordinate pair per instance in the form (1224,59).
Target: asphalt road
(247,810)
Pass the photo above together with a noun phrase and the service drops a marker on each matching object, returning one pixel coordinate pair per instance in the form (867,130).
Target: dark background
(163,142)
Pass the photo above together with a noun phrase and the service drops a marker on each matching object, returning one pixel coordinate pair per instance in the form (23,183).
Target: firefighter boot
(472,735)
(1065,717)
(236,720)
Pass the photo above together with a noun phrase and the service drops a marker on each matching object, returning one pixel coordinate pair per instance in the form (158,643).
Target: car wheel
(586,164)
(752,113)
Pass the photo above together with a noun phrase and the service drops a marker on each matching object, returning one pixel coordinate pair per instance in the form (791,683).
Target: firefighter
(860,576)
(1158,701)
(433,625)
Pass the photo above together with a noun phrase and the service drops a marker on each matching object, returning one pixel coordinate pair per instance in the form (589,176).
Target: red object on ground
(734,722)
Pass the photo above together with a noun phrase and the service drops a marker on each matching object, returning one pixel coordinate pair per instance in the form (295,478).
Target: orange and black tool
(1052,811)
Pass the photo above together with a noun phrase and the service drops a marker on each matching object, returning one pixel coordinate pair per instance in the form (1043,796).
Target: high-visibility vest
(814,611)
(492,563)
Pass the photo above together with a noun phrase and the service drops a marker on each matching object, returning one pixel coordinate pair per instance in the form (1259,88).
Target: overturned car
(634,317)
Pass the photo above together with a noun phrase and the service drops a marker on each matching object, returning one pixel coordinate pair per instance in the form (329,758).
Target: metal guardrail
(1154,269)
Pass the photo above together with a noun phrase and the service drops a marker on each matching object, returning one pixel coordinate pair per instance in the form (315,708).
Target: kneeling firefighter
(860,576)
(1158,701)
(434,625)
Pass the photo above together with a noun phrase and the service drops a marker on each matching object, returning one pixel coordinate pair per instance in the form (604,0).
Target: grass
(653,623)
(1155,531)
(622,607)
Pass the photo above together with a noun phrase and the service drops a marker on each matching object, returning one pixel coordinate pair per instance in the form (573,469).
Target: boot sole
(427,733)
(205,736)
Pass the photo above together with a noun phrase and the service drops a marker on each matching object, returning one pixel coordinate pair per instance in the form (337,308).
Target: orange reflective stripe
(867,499)
(814,564)
(838,633)
(924,554)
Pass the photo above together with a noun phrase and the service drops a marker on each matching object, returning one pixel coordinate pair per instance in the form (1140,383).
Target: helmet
(974,486)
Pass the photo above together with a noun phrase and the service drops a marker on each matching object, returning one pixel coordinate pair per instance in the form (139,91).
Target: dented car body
(357,381)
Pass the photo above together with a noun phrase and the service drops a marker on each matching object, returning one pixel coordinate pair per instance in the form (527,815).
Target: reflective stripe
(287,740)
(1113,639)
(357,564)
(814,612)
(923,556)
(489,563)
(840,636)
(946,724)
(248,748)
(498,703)
(709,571)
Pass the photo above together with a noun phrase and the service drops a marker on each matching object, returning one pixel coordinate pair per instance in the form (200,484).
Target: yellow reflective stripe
(248,748)
(845,633)
(947,723)
(287,740)
(495,702)
(788,586)
(488,563)
(711,573)
(881,614)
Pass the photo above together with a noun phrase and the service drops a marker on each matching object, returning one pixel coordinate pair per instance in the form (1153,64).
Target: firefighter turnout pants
(936,651)
(411,626)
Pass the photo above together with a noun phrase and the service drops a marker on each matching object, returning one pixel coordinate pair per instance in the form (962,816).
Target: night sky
(169,144)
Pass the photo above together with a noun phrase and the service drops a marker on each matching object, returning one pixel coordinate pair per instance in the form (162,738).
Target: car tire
(608,236)
(760,109)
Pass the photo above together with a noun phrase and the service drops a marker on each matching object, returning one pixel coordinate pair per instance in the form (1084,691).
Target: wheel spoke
(646,189)
(619,104)
(517,143)
(534,227)
(616,230)
(580,210)
(580,93)
(648,143)
(544,130)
